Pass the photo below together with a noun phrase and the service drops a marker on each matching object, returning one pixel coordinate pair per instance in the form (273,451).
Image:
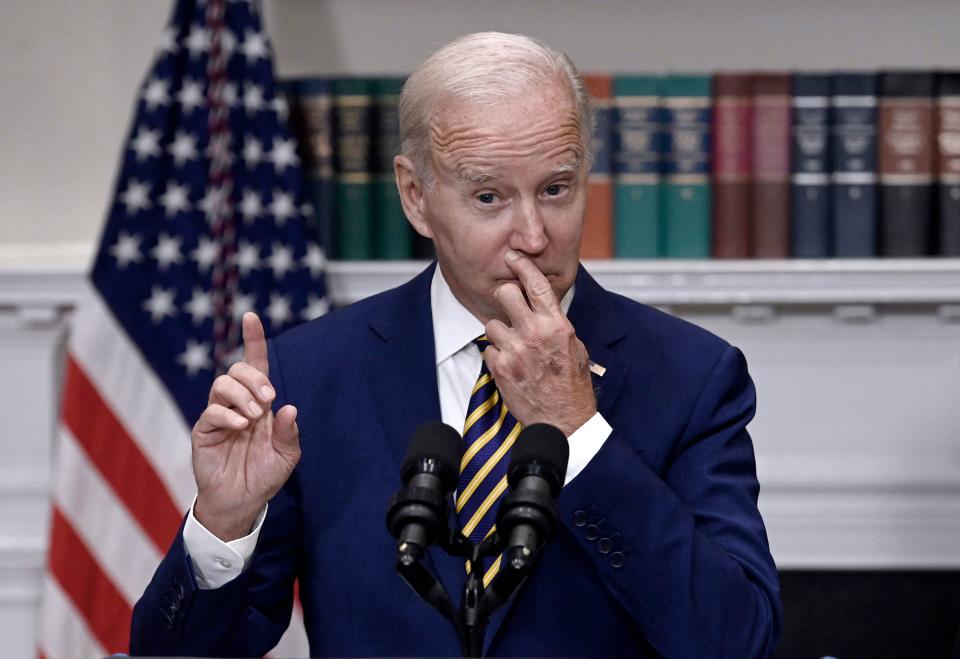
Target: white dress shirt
(458,364)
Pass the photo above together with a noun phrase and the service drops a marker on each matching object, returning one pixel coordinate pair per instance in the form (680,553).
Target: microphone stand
(478,603)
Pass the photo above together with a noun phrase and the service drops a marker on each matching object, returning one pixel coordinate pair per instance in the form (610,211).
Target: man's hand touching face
(541,368)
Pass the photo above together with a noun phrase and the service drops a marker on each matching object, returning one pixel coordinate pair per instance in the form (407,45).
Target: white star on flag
(284,154)
(242,303)
(316,307)
(314,260)
(168,41)
(280,260)
(282,207)
(146,143)
(191,95)
(175,199)
(196,358)
(252,152)
(167,251)
(160,303)
(254,46)
(279,105)
(155,93)
(250,206)
(136,197)
(183,148)
(278,311)
(205,253)
(253,98)
(247,257)
(198,41)
(211,202)
(229,94)
(200,306)
(126,250)
(228,42)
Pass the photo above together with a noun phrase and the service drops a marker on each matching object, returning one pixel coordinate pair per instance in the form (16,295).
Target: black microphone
(417,514)
(528,515)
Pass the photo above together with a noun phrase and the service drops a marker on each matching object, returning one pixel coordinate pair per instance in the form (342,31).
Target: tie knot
(482,343)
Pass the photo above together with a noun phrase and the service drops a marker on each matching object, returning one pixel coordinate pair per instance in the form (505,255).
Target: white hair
(483,67)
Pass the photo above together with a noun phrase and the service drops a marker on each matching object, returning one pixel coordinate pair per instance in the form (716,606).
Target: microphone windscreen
(542,445)
(438,442)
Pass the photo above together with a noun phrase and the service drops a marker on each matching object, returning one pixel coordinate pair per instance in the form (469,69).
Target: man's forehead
(469,139)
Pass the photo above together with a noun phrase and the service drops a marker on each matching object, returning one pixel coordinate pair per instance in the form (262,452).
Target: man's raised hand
(540,366)
(242,452)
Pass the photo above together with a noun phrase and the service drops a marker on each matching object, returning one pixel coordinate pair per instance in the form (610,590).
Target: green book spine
(311,119)
(685,218)
(636,166)
(353,145)
(393,236)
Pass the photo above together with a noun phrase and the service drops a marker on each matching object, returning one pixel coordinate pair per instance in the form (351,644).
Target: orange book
(597,242)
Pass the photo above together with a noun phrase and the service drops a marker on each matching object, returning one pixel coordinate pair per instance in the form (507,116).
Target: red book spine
(732,165)
(771,166)
(597,241)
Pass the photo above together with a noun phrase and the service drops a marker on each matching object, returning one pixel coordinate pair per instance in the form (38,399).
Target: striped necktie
(488,433)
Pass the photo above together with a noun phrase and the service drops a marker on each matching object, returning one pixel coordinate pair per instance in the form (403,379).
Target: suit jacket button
(592,532)
(616,559)
(604,545)
(580,518)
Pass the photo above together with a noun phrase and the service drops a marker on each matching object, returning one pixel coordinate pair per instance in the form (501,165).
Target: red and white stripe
(122,486)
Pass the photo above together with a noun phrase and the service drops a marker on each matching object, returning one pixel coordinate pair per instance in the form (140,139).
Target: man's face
(508,176)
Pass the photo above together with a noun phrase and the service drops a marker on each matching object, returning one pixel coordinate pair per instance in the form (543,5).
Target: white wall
(69,70)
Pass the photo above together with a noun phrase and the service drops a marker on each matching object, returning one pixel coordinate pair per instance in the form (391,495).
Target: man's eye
(486,197)
(555,189)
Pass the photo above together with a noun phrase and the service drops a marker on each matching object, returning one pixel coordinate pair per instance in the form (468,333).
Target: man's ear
(411,188)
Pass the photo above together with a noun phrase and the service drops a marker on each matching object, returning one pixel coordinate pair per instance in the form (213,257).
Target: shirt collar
(453,326)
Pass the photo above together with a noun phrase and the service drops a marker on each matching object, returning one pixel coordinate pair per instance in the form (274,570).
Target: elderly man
(662,550)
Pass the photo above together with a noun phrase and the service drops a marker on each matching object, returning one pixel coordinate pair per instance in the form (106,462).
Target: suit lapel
(400,367)
(598,325)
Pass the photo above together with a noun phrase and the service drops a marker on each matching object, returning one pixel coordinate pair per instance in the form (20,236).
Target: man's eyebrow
(566,168)
(474,175)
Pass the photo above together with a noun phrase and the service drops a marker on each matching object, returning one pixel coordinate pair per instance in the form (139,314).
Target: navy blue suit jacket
(662,549)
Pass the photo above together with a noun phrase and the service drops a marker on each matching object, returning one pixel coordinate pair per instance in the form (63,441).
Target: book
(597,241)
(393,235)
(685,200)
(906,162)
(637,151)
(810,165)
(732,163)
(771,166)
(853,156)
(353,148)
(948,163)
(311,121)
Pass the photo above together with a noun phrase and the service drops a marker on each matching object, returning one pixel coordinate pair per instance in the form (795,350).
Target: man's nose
(529,233)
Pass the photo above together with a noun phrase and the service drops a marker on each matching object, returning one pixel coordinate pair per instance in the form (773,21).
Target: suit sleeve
(685,551)
(243,618)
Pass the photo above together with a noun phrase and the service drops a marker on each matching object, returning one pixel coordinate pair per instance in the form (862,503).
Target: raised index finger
(538,289)
(255,343)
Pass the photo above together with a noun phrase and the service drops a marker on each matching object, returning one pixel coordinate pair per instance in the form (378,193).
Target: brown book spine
(770,233)
(907,161)
(597,241)
(732,164)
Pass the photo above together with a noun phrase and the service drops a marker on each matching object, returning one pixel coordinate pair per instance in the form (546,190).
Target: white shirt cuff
(216,562)
(584,444)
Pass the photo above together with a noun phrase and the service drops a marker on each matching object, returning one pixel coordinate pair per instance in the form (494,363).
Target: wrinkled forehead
(545,119)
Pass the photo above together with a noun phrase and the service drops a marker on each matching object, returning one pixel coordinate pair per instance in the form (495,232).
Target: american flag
(207,222)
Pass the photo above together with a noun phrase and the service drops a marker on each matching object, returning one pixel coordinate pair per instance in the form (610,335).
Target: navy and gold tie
(488,433)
